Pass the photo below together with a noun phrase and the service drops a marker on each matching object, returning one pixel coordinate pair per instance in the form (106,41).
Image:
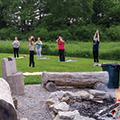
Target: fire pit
(85,104)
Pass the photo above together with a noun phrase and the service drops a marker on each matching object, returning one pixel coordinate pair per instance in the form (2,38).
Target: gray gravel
(32,105)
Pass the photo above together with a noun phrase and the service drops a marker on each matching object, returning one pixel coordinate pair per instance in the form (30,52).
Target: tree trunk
(7,109)
(78,79)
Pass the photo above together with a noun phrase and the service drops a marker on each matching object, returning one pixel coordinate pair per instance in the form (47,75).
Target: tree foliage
(47,16)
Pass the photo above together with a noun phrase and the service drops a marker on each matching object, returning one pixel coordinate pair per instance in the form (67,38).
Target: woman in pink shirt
(61,48)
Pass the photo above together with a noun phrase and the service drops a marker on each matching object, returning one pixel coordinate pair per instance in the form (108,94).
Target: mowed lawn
(52,65)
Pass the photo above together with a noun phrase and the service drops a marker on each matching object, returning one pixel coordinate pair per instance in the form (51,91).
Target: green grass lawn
(52,65)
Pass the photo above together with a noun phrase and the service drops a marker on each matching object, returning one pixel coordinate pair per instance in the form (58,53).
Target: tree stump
(7,109)
(50,86)
(100,86)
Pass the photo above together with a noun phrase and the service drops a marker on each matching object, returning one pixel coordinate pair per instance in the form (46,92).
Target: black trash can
(113,71)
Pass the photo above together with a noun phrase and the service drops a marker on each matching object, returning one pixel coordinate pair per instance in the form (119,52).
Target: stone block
(60,107)
(8,67)
(68,115)
(7,108)
(14,78)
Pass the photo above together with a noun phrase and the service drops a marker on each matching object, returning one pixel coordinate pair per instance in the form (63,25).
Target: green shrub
(53,35)
(113,33)
(86,33)
(77,31)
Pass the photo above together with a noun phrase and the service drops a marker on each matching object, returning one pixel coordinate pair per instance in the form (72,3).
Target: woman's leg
(97,56)
(17,49)
(37,52)
(94,56)
(14,53)
(30,59)
(63,55)
(60,55)
(40,52)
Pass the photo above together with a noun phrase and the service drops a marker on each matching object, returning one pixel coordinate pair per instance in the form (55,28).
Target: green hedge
(72,49)
(74,32)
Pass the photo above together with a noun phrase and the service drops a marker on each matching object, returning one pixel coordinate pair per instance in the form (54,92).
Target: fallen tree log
(77,79)
(7,109)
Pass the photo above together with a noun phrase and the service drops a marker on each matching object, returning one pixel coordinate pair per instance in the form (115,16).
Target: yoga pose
(31,50)
(38,48)
(61,48)
(16,44)
(96,41)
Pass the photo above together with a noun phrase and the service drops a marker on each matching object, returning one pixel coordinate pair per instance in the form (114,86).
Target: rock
(78,117)
(7,108)
(75,106)
(78,96)
(71,94)
(100,86)
(65,99)
(99,94)
(60,107)
(68,115)
(112,95)
(57,94)
(58,118)
(73,97)
(52,101)
(53,114)
(23,119)
(84,95)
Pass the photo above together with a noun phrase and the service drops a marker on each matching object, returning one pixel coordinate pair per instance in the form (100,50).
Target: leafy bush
(77,31)
(53,35)
(86,33)
(113,33)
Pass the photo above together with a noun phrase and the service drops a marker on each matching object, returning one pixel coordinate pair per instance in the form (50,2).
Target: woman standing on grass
(31,49)
(16,44)
(61,48)
(96,42)
(38,48)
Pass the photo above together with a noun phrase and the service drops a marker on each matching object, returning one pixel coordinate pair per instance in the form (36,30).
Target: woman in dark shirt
(96,42)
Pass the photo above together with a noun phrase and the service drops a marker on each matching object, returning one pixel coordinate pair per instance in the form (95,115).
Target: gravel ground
(32,105)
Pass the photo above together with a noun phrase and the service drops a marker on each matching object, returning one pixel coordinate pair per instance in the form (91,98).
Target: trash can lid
(110,64)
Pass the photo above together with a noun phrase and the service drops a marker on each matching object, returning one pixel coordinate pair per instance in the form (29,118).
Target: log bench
(50,80)
(7,108)
(14,78)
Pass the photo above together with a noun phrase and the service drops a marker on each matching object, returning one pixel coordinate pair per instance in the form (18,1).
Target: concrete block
(14,78)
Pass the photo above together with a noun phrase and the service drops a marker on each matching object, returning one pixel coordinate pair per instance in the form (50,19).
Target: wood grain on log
(87,79)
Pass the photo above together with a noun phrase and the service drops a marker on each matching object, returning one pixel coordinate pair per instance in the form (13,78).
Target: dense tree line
(72,19)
